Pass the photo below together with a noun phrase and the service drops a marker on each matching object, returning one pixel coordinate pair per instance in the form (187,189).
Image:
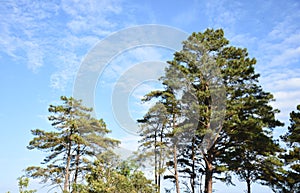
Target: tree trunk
(158,186)
(208,159)
(208,173)
(248,185)
(155,158)
(193,167)
(67,169)
(175,154)
(161,159)
(175,169)
(77,166)
(159,169)
(208,180)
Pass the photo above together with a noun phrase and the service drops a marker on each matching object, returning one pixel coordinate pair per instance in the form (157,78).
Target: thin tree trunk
(208,179)
(77,166)
(193,167)
(161,159)
(175,169)
(208,173)
(158,186)
(155,158)
(248,185)
(175,154)
(208,158)
(159,166)
(67,169)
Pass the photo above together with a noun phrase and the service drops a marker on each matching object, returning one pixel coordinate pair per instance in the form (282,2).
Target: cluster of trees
(80,156)
(211,121)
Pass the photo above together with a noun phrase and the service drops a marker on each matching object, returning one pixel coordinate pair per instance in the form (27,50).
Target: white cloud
(223,14)
(286,101)
(88,23)
(286,57)
(147,53)
(129,64)
(129,142)
(278,82)
(31,33)
(281,47)
(91,15)
(20,28)
(35,56)
(284,85)
(278,56)
(286,27)
(243,40)
(67,69)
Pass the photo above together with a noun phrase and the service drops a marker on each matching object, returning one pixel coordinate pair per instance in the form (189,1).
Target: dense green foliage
(122,178)
(78,138)
(78,141)
(193,98)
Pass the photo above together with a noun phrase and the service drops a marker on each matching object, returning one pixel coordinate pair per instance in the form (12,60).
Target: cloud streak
(36,34)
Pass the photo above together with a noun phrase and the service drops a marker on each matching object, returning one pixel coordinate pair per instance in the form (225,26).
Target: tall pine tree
(172,130)
(153,143)
(199,73)
(77,138)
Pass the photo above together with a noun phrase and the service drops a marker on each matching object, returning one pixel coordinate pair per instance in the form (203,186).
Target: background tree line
(80,156)
(202,128)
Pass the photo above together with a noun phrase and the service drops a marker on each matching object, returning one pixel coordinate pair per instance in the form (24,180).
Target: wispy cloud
(35,56)
(280,59)
(285,87)
(223,13)
(59,34)
(87,24)
(20,30)
(129,142)
(91,16)
(66,70)
(286,57)
(129,64)
(31,32)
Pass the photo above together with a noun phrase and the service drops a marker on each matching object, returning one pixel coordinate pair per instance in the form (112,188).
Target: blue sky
(43,43)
